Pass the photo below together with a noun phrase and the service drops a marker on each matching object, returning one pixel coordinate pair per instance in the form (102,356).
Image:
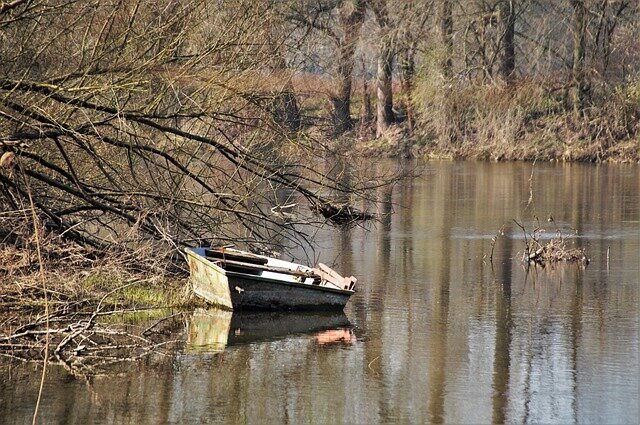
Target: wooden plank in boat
(240,264)
(331,276)
(235,255)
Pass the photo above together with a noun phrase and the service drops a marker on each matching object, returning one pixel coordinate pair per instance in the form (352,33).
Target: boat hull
(250,292)
(245,291)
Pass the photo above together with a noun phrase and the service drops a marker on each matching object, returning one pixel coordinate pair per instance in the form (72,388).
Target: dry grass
(527,121)
(82,275)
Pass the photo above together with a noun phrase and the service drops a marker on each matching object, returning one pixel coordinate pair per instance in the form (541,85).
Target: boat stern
(208,280)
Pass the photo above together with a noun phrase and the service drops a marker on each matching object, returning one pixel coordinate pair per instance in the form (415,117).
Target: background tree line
(457,74)
(188,121)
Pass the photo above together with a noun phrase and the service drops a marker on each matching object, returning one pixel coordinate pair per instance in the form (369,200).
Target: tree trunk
(366,114)
(407,72)
(285,109)
(351,20)
(446,33)
(507,51)
(579,88)
(384,108)
(366,111)
(342,100)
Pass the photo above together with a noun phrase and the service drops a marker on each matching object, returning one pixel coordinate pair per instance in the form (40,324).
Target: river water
(437,332)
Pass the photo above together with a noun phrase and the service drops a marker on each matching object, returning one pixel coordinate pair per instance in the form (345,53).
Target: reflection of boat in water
(213,329)
(241,280)
(249,327)
(208,330)
(333,336)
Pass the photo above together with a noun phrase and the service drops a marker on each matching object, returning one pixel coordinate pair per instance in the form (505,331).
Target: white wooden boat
(241,280)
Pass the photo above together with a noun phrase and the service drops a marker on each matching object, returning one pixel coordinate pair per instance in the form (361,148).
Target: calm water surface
(436,332)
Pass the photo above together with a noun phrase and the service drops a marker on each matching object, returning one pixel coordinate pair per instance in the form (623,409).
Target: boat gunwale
(284,282)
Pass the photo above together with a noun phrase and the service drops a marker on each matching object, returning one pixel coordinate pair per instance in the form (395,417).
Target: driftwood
(553,251)
(329,275)
(340,214)
(556,250)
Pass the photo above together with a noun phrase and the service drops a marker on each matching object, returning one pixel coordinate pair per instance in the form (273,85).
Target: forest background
(130,128)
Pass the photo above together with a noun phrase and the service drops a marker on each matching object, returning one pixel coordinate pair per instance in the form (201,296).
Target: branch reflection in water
(443,334)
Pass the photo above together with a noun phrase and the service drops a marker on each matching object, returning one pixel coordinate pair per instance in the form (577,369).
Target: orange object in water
(333,336)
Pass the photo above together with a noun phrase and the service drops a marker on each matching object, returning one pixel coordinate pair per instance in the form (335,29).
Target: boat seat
(231,255)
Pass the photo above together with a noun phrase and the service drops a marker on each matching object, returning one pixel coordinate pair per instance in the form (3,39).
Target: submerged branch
(85,338)
(554,251)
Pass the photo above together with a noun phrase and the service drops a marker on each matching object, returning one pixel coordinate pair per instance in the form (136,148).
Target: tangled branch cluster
(553,251)
(133,122)
(83,339)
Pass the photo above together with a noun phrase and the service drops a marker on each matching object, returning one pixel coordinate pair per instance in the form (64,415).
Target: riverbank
(70,280)
(82,311)
(627,152)
(560,139)
(530,149)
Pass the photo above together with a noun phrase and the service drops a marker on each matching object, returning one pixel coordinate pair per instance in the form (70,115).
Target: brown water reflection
(441,334)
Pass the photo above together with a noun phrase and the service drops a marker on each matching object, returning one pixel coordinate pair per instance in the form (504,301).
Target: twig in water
(555,250)
(533,167)
(493,242)
(36,233)
(371,362)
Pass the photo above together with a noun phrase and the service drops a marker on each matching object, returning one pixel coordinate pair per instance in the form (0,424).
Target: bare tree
(384,75)
(338,22)
(407,66)
(446,35)
(579,88)
(351,17)
(118,137)
(507,50)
